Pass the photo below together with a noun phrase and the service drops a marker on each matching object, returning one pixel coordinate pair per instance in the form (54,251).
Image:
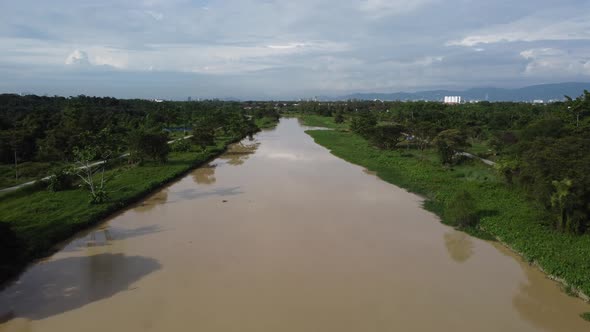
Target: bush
(461,210)
(586,316)
(62,180)
(182,145)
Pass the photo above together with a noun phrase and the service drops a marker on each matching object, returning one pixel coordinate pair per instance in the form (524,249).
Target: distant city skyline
(254,49)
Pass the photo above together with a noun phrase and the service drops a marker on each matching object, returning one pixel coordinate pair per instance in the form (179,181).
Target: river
(277,234)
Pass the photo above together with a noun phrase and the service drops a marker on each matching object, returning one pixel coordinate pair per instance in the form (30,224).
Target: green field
(504,212)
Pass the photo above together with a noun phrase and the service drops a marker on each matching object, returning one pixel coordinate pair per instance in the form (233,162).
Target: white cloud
(288,46)
(535,53)
(555,62)
(322,46)
(155,15)
(77,57)
(226,59)
(379,8)
(545,27)
(99,56)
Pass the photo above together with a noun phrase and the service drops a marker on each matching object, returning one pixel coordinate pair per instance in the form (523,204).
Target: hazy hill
(544,92)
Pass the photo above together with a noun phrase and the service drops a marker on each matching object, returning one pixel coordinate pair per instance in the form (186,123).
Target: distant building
(452,100)
(538,101)
(189,99)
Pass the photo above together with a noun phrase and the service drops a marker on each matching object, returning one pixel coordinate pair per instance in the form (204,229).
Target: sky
(271,49)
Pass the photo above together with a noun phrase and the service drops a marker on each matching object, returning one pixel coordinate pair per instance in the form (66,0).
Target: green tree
(146,144)
(364,124)
(90,167)
(501,141)
(449,142)
(579,106)
(424,133)
(387,135)
(203,135)
(461,210)
(547,159)
(559,200)
(507,168)
(16,141)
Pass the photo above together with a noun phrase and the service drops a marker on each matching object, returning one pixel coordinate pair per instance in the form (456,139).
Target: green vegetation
(537,146)
(266,122)
(38,135)
(586,316)
(535,199)
(313,120)
(449,143)
(51,217)
(503,211)
(461,210)
(90,176)
(27,171)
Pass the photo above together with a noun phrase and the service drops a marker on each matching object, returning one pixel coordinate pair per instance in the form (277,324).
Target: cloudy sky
(288,49)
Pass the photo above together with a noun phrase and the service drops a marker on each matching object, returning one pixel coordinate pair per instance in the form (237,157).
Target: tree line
(542,150)
(84,130)
(50,128)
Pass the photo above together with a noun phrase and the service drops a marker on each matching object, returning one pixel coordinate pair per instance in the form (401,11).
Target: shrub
(182,145)
(62,180)
(461,210)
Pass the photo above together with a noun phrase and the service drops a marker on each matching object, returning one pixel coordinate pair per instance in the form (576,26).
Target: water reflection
(191,194)
(161,197)
(238,153)
(204,175)
(545,306)
(459,246)
(55,287)
(105,239)
(106,234)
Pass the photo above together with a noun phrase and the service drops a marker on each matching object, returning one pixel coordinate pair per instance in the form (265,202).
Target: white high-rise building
(452,100)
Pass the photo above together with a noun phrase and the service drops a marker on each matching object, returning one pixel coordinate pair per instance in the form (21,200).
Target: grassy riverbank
(266,123)
(313,120)
(33,221)
(505,212)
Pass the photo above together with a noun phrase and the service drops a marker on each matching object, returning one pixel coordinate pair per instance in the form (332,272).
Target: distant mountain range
(545,92)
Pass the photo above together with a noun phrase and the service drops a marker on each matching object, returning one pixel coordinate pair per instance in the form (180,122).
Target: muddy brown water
(279,235)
